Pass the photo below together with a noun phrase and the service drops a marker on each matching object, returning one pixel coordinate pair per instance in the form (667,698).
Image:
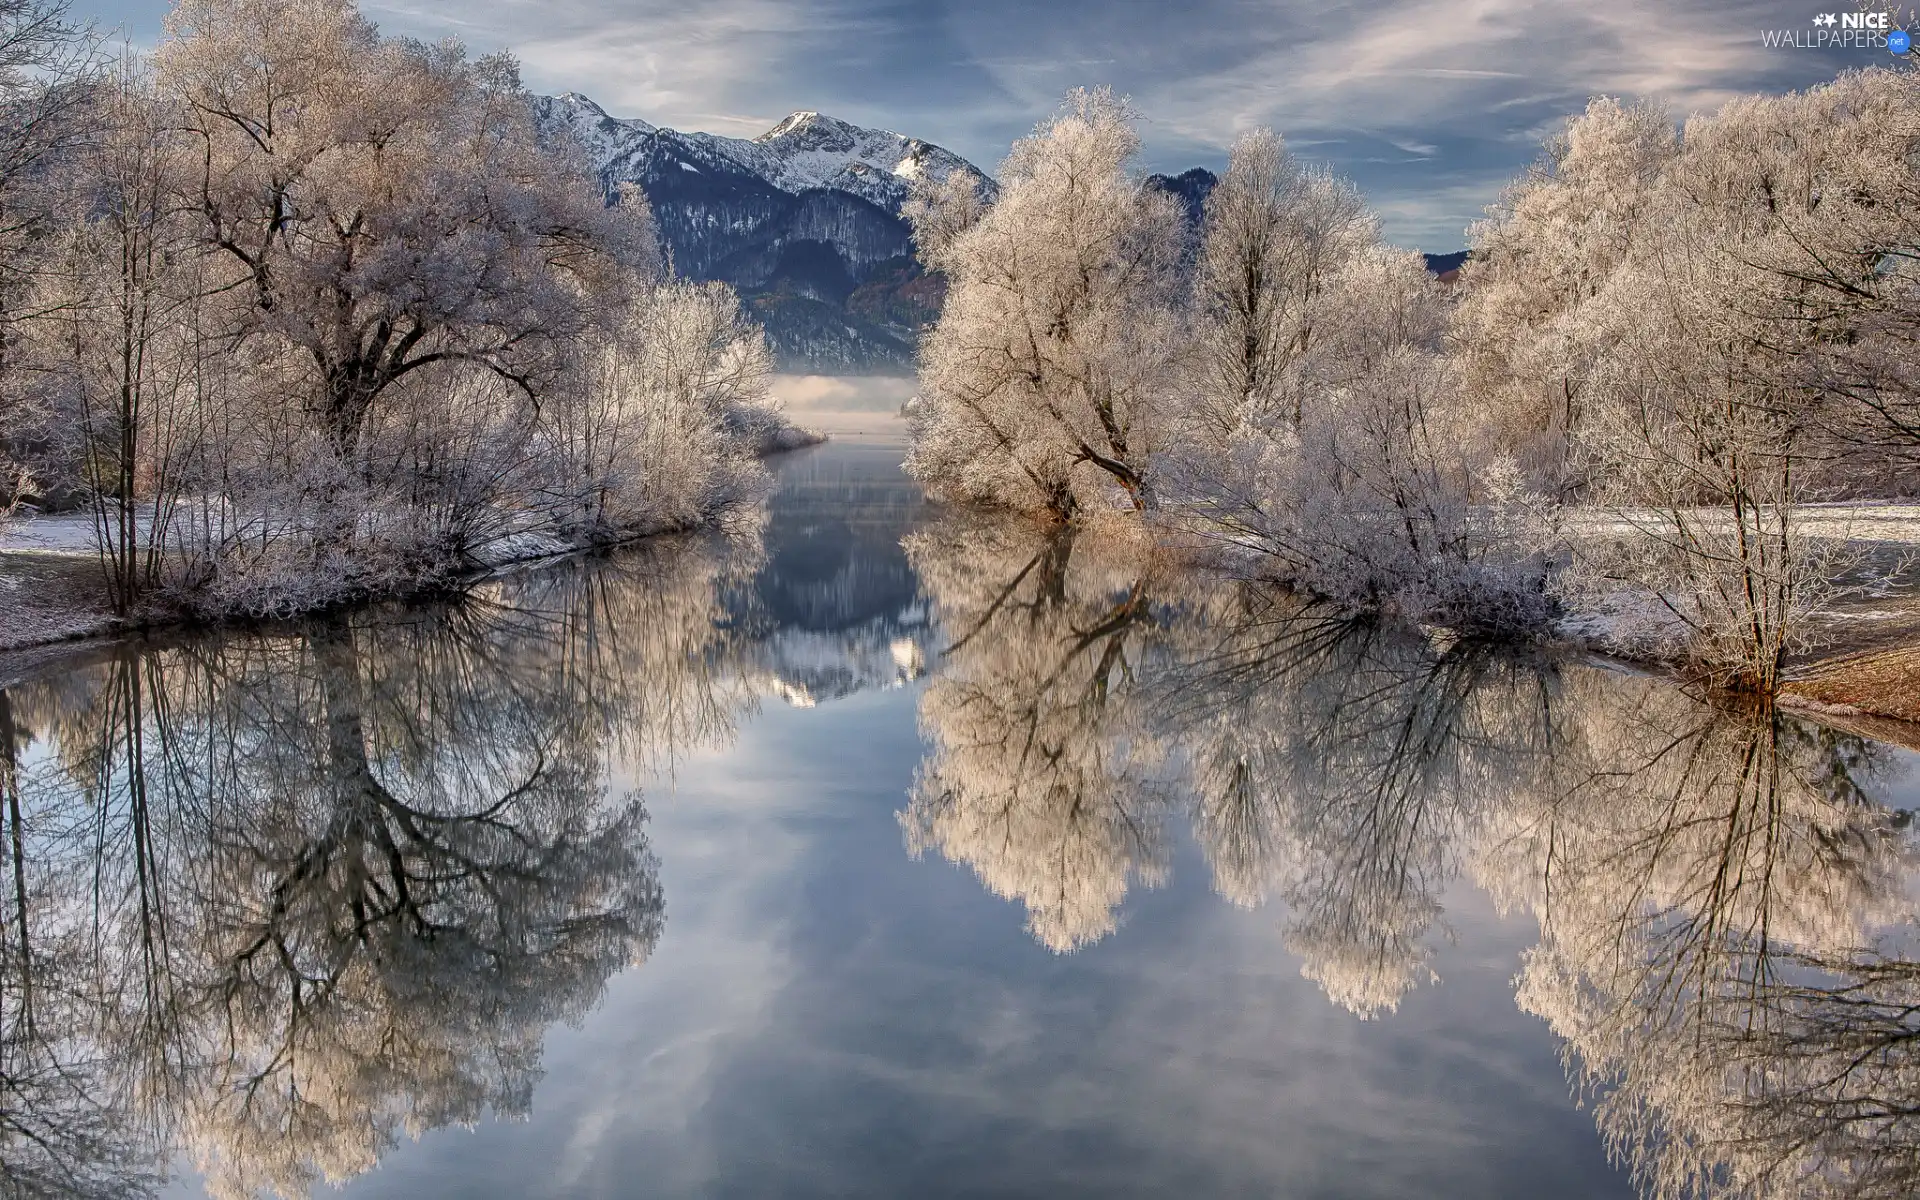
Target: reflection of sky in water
(1901,787)
(825,1016)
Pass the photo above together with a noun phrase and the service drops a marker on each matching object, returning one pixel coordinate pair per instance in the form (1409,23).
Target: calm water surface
(809,863)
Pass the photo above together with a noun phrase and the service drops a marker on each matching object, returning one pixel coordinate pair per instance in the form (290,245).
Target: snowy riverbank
(52,592)
(1867,666)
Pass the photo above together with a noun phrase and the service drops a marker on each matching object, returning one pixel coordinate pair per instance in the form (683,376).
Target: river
(874,851)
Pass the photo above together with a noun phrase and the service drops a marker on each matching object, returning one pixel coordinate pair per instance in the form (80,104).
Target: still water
(871,852)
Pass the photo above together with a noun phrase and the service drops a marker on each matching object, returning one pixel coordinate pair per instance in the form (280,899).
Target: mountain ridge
(803,220)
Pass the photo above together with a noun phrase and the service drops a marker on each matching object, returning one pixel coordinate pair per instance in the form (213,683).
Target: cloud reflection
(1726,911)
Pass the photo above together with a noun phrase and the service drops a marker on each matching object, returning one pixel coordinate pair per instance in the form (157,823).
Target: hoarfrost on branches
(1665,343)
(1045,385)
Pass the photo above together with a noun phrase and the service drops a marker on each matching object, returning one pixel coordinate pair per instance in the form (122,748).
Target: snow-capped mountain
(805,151)
(839,609)
(804,220)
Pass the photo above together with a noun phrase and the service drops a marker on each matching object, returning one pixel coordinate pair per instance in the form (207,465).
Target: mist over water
(877,851)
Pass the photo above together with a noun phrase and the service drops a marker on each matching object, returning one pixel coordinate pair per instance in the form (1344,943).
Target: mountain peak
(794,122)
(809,130)
(806,151)
(576,100)
(601,135)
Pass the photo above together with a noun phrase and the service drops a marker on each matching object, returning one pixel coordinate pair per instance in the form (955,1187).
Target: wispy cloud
(1409,96)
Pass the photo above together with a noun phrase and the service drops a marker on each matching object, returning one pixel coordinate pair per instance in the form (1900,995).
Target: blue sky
(1429,104)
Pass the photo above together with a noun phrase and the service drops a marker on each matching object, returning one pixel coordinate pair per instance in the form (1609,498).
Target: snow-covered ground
(60,533)
(1887,522)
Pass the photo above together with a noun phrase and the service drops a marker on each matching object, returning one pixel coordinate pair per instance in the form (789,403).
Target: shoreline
(54,587)
(1866,683)
(1877,686)
(1872,692)
(91,631)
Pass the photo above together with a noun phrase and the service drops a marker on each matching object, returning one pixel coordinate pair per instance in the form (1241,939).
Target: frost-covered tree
(1692,334)
(118,340)
(1698,445)
(1379,488)
(1824,189)
(1700,332)
(47,60)
(1045,386)
(383,206)
(664,414)
(1545,252)
(1276,235)
(1707,355)
(1324,440)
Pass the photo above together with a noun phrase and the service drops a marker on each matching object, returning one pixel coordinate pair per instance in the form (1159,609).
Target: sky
(1430,105)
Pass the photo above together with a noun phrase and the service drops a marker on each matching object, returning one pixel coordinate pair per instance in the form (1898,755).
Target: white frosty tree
(1331,438)
(1276,236)
(1539,260)
(46,62)
(385,206)
(1044,386)
(660,419)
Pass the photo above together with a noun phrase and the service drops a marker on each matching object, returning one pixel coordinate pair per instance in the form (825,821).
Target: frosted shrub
(661,423)
(1371,504)
(1369,483)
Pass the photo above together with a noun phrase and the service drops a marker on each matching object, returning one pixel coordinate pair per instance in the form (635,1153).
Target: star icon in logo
(1826,19)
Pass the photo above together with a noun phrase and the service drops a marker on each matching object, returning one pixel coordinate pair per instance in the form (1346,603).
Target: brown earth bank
(1877,688)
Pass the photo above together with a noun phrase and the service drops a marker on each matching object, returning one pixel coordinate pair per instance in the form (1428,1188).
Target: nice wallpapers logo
(1842,31)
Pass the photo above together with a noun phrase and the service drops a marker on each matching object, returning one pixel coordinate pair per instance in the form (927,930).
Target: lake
(875,851)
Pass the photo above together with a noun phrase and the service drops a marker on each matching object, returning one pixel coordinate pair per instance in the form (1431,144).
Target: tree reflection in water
(281,896)
(1044,774)
(1726,912)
